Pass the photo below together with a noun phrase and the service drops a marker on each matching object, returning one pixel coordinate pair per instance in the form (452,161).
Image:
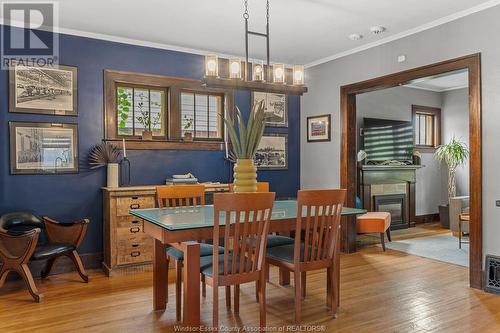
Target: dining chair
(320,225)
(182,196)
(272,240)
(243,259)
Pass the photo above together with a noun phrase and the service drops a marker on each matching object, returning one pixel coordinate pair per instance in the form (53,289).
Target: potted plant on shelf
(245,139)
(188,124)
(105,154)
(454,154)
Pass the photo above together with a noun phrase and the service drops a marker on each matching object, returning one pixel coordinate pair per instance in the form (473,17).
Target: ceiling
(302,31)
(444,82)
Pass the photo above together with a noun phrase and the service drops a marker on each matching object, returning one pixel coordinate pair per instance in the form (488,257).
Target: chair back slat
(180,195)
(247,217)
(320,224)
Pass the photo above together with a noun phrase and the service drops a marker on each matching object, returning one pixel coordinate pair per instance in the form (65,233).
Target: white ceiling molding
(413,86)
(407,33)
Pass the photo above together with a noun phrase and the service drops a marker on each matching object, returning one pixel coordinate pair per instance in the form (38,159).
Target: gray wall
(395,103)
(320,162)
(455,113)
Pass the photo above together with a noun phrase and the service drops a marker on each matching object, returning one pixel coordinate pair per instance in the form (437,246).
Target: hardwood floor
(380,292)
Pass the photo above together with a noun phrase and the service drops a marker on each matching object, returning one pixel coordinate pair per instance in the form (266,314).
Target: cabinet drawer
(124,204)
(134,252)
(128,222)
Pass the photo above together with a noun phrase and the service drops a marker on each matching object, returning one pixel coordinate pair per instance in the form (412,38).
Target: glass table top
(203,216)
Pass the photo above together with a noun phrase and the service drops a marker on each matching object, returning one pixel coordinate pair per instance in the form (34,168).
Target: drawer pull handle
(135,198)
(135,206)
(135,222)
(135,230)
(135,245)
(135,253)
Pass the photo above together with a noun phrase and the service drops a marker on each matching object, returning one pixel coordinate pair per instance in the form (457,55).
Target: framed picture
(319,128)
(43,90)
(276,108)
(272,153)
(43,148)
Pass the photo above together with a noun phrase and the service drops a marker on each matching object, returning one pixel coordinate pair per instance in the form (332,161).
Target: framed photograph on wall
(43,148)
(43,90)
(272,153)
(319,128)
(276,108)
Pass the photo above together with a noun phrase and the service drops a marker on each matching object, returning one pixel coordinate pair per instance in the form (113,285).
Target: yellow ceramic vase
(245,176)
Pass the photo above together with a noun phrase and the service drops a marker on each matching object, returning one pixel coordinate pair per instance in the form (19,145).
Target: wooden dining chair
(319,250)
(182,196)
(243,258)
(261,187)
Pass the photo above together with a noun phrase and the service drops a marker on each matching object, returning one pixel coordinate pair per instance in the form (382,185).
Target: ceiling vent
(377,29)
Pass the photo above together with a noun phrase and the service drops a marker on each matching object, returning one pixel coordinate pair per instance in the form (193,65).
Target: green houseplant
(188,124)
(455,153)
(245,139)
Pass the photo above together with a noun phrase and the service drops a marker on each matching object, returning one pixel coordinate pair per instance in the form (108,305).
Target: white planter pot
(113,175)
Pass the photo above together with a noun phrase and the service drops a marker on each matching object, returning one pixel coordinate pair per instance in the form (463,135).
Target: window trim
(436,113)
(173,86)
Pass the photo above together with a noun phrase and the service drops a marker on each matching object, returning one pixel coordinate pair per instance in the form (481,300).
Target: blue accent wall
(73,196)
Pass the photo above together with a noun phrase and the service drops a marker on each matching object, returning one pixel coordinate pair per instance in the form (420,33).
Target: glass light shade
(258,71)
(298,74)
(279,73)
(211,65)
(234,68)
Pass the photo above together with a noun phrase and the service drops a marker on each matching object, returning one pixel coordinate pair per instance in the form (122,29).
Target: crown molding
(413,86)
(423,27)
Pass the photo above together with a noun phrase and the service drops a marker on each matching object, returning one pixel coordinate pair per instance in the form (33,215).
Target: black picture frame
(27,101)
(32,148)
(267,160)
(328,128)
(257,95)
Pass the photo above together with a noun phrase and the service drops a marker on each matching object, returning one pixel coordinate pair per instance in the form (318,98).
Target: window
(427,122)
(201,114)
(139,109)
(168,106)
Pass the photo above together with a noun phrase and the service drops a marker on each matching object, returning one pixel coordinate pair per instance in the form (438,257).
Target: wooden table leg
(284,277)
(159,276)
(191,283)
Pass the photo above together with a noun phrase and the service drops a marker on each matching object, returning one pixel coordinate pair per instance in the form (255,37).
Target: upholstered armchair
(458,205)
(19,243)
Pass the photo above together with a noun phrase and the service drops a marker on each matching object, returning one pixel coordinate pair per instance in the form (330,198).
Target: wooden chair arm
(67,233)
(19,246)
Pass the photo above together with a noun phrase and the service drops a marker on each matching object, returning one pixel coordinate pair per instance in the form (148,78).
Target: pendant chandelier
(257,76)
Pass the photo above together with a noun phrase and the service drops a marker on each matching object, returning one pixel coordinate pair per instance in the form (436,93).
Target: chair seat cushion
(51,250)
(284,252)
(373,222)
(205,250)
(206,264)
(277,240)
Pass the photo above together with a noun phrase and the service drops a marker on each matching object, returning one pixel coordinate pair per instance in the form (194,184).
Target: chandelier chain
(267,10)
(245,14)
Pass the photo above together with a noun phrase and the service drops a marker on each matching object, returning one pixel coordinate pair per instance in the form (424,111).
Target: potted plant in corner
(454,154)
(245,139)
(188,124)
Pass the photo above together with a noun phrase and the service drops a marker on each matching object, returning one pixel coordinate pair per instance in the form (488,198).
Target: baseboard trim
(427,218)
(62,265)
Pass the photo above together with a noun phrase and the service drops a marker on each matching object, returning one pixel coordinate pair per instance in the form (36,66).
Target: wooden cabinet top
(208,188)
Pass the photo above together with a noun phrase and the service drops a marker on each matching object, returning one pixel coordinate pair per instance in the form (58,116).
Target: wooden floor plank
(380,292)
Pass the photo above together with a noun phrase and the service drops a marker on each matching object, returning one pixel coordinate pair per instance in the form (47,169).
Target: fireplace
(394,204)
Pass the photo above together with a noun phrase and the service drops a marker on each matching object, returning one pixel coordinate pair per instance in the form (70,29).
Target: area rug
(442,248)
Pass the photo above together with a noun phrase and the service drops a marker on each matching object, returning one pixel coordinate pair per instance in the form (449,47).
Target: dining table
(184,227)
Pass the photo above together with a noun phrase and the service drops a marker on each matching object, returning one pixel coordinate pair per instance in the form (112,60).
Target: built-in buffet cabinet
(390,188)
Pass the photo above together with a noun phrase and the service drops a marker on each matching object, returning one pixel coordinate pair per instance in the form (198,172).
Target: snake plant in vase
(454,154)
(245,139)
